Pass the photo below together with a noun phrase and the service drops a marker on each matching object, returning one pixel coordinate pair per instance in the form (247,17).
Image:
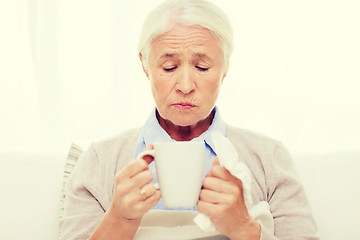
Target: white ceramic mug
(179,168)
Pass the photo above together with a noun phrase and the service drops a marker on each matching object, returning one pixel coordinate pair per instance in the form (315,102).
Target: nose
(186,81)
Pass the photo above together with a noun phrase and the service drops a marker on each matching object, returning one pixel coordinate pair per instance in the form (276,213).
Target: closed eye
(202,69)
(170,69)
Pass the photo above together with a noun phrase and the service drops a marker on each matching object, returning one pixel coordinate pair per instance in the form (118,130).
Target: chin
(183,122)
(182,119)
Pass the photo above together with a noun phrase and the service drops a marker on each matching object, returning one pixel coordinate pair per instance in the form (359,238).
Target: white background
(69,72)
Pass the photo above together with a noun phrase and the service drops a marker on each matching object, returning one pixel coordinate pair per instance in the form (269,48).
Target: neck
(185,133)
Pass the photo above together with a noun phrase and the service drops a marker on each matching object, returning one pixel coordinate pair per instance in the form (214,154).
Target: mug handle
(150,152)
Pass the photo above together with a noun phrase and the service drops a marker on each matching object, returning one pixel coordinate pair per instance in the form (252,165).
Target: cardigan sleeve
(83,211)
(289,206)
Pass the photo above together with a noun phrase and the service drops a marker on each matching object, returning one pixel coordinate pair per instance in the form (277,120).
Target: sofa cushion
(73,155)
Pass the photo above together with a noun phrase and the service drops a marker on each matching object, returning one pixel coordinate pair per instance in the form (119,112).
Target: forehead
(194,40)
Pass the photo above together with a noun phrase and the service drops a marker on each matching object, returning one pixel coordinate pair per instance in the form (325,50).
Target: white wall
(69,72)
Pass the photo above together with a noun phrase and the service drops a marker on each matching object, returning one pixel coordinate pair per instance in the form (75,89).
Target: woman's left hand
(222,199)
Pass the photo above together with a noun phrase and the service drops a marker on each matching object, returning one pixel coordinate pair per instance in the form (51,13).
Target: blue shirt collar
(152,132)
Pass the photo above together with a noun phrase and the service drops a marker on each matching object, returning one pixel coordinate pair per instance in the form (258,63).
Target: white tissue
(228,157)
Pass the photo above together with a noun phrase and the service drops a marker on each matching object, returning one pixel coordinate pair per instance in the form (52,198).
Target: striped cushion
(74,153)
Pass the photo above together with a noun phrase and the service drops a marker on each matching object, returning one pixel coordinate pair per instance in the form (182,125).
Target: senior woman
(184,48)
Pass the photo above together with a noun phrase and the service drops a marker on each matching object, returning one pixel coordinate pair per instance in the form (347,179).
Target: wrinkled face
(186,69)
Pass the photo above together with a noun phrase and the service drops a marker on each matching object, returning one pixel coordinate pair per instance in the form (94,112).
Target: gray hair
(189,13)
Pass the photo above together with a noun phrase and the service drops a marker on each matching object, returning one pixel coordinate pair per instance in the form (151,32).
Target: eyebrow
(200,55)
(169,55)
(203,56)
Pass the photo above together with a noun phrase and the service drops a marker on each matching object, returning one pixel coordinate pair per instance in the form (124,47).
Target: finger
(142,178)
(133,168)
(207,208)
(218,185)
(215,164)
(220,172)
(138,195)
(211,196)
(148,158)
(216,161)
(153,200)
(138,165)
(147,191)
(147,204)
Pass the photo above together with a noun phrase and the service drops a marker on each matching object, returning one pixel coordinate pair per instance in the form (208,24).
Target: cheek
(156,90)
(214,87)
(211,93)
(160,88)
(154,82)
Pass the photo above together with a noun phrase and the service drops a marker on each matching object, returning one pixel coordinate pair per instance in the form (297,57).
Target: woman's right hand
(134,194)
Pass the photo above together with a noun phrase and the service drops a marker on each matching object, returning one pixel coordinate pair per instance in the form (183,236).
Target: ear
(143,65)
(222,80)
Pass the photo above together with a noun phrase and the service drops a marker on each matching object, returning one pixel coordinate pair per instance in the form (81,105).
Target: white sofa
(30,187)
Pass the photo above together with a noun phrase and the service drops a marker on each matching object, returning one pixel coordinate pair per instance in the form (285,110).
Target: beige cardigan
(90,188)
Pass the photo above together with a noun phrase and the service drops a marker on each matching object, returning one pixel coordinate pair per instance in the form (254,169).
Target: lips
(183,105)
